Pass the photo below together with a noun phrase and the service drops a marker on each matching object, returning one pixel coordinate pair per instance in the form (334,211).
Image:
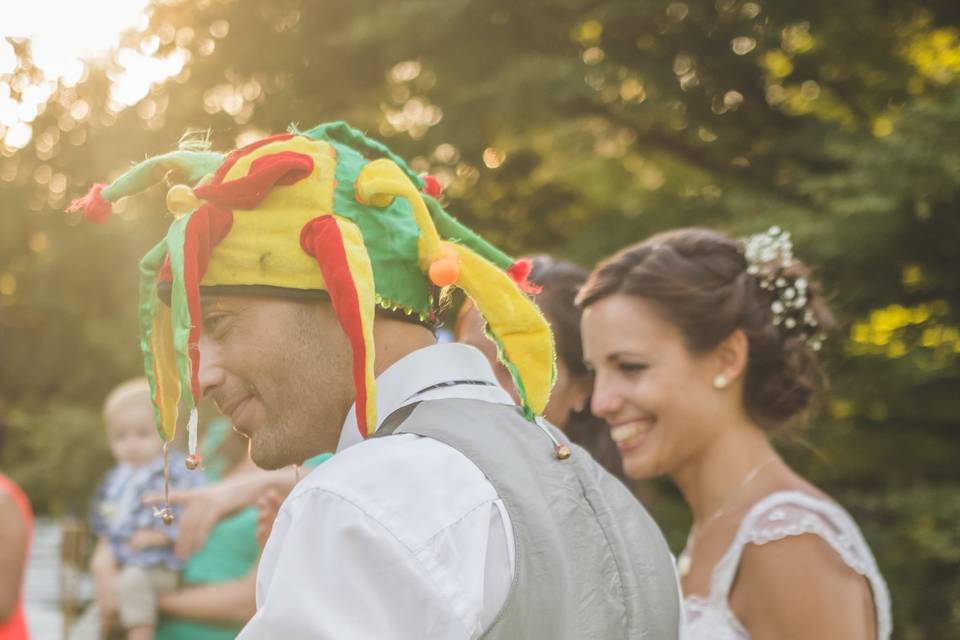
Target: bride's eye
(632,367)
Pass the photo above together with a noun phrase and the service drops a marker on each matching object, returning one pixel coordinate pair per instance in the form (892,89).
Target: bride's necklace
(685,559)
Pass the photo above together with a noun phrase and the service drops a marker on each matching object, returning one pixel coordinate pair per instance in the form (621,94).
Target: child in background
(134,560)
(217,594)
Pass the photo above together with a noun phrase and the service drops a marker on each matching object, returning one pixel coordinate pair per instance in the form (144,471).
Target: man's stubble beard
(316,389)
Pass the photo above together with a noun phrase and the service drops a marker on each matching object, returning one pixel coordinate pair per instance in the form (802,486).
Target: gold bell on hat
(166,515)
(181,200)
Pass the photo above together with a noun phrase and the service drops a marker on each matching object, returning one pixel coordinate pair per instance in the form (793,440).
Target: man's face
(280,369)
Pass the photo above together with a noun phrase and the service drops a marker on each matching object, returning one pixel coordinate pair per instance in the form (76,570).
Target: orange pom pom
(444,271)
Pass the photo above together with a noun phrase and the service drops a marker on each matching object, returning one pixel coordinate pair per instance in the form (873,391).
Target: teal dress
(230,552)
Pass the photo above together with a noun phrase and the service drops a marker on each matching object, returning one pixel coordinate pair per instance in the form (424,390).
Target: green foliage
(572,127)
(57,453)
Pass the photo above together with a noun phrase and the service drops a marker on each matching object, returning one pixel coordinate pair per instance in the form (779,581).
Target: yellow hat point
(381,200)
(181,200)
(378,200)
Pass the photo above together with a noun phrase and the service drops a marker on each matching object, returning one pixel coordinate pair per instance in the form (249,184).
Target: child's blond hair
(133,390)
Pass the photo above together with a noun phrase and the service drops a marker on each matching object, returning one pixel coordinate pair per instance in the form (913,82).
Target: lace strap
(792,513)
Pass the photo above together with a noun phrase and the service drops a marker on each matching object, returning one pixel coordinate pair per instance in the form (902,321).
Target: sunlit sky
(64,36)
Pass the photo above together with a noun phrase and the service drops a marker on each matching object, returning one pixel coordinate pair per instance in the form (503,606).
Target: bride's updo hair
(702,282)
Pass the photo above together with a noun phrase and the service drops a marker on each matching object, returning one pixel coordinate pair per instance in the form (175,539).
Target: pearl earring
(720,381)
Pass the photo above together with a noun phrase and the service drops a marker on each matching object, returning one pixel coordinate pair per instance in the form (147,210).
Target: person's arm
(799,588)
(326,549)
(14,542)
(149,539)
(103,566)
(268,506)
(205,506)
(225,603)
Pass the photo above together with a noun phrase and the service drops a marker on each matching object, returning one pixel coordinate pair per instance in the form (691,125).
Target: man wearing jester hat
(296,287)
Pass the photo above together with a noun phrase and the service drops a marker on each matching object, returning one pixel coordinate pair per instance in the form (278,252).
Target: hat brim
(307,295)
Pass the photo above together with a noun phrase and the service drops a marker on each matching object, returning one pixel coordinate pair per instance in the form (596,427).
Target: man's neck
(394,339)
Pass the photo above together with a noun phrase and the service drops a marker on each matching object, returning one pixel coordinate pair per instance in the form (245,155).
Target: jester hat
(327,209)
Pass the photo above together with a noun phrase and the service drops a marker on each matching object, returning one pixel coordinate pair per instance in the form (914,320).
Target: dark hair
(698,279)
(561,281)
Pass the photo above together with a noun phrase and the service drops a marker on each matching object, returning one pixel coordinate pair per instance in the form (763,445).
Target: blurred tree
(570,126)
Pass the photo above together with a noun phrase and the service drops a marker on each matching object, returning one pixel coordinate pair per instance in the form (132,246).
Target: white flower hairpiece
(768,255)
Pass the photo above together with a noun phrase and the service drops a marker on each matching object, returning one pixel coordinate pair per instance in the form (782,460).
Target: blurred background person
(16,531)
(133,560)
(220,537)
(702,346)
(217,588)
(569,405)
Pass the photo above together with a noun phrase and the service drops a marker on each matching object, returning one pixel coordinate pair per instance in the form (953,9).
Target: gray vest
(590,562)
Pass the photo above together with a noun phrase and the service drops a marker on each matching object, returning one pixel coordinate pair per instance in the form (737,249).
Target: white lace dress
(782,514)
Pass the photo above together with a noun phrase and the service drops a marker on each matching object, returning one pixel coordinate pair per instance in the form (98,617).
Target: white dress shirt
(393,538)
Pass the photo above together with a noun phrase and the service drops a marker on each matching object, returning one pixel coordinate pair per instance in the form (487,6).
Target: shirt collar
(420,370)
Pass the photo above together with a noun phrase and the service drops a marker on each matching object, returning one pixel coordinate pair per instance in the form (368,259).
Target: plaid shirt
(118,510)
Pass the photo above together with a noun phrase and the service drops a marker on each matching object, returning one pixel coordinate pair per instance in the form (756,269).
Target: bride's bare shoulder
(800,582)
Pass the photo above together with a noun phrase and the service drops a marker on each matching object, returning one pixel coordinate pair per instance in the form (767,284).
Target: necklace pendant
(683,564)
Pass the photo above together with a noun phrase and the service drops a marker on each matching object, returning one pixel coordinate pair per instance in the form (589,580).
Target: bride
(702,346)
